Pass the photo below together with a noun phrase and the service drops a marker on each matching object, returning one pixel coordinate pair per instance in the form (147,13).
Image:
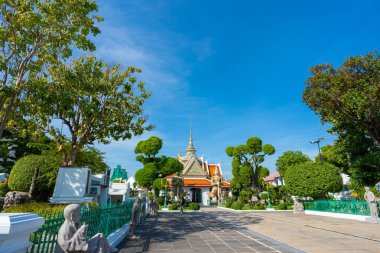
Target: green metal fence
(102,219)
(338,206)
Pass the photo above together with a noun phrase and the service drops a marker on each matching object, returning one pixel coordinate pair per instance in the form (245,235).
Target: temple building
(203,181)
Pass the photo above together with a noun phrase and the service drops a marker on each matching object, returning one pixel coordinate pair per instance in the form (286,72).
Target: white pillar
(15,230)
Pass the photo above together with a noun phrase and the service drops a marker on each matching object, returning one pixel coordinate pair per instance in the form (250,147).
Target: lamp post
(317,142)
(269,205)
(166,194)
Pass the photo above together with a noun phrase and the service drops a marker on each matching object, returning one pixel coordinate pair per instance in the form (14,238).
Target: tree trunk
(32,187)
(7,112)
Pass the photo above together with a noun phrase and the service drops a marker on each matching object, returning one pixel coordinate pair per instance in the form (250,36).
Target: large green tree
(313,179)
(290,158)
(348,95)
(154,168)
(35,34)
(94,101)
(247,160)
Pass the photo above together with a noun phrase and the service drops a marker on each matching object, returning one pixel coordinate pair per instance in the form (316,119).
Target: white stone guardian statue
(372,203)
(72,237)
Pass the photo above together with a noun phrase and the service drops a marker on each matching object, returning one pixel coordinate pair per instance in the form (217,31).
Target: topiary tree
(146,176)
(312,179)
(148,149)
(247,160)
(43,167)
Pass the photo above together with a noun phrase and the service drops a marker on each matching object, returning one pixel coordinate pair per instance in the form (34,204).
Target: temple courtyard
(220,230)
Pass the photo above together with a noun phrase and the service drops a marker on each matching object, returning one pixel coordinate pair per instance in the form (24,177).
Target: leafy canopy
(94,101)
(290,158)
(35,34)
(162,166)
(246,164)
(348,95)
(313,179)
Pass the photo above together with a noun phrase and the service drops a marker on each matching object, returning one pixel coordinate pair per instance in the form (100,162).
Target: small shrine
(201,180)
(119,185)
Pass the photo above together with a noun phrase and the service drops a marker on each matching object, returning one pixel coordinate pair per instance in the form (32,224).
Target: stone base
(165,209)
(372,220)
(270,209)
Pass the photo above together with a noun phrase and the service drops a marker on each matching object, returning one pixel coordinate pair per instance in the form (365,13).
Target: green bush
(237,205)
(282,206)
(22,173)
(194,206)
(33,207)
(173,206)
(228,204)
(246,207)
(160,200)
(312,179)
(3,188)
(259,207)
(290,207)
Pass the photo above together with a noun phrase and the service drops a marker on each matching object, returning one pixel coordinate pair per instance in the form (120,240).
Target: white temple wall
(205,197)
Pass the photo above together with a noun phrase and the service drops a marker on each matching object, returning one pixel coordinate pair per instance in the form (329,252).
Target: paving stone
(196,232)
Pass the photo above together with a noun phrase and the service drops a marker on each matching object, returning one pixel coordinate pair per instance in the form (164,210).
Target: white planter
(15,230)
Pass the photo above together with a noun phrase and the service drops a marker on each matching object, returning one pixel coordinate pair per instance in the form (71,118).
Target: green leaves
(290,158)
(313,179)
(36,34)
(93,100)
(348,94)
(149,147)
(246,162)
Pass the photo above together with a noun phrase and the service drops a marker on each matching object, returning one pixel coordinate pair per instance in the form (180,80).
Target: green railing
(102,219)
(338,206)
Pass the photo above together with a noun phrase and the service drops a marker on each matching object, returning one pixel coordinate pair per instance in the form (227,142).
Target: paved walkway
(218,230)
(198,232)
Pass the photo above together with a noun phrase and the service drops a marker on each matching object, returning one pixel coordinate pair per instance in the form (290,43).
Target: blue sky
(237,68)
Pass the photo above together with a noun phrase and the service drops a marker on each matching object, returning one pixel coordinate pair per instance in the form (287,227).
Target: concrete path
(198,232)
(218,230)
(308,232)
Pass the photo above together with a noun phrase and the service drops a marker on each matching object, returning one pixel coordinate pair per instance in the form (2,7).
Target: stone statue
(297,206)
(134,217)
(372,203)
(72,237)
(143,212)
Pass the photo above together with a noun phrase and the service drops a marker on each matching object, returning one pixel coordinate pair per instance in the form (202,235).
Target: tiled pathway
(198,232)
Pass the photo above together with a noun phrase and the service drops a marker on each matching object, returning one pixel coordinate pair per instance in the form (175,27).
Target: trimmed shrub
(282,206)
(3,188)
(22,173)
(194,206)
(313,179)
(246,207)
(173,207)
(237,205)
(228,204)
(259,207)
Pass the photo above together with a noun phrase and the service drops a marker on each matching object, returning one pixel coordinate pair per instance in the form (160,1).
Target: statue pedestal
(270,209)
(15,230)
(165,209)
(372,220)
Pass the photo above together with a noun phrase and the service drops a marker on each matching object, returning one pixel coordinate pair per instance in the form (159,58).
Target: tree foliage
(347,95)
(148,149)
(313,179)
(246,162)
(146,176)
(22,173)
(290,158)
(34,34)
(95,101)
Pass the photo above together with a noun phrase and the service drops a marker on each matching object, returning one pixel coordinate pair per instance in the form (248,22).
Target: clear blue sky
(237,68)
